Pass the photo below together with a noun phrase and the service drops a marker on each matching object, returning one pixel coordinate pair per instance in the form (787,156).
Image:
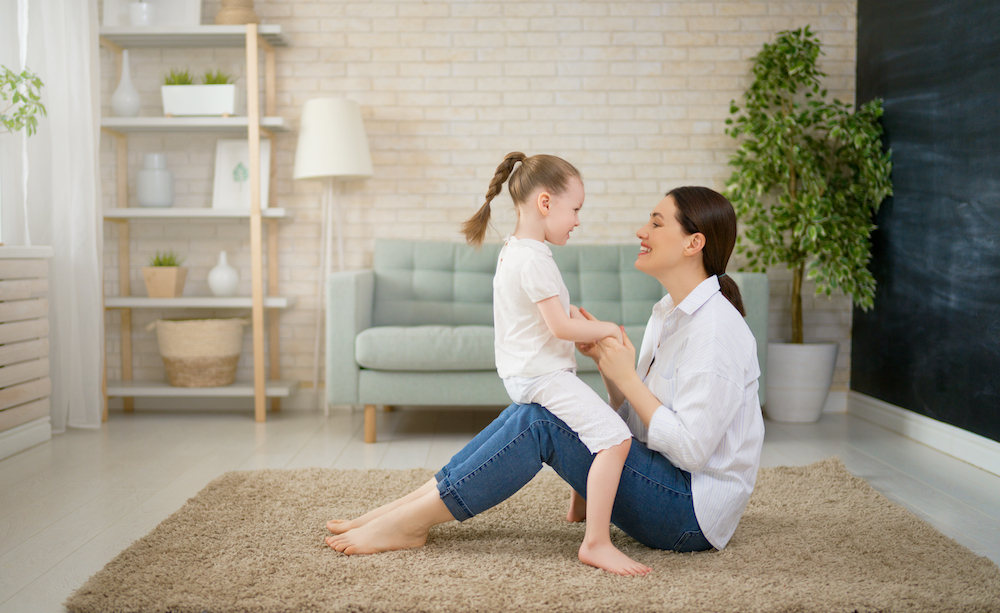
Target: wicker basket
(200,352)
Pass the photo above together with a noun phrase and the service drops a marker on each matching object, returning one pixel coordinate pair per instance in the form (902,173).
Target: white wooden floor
(70,505)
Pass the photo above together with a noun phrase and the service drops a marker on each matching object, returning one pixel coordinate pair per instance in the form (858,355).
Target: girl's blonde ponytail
(475,227)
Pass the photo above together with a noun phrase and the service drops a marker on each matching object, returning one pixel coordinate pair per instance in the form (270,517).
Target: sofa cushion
(426,348)
(441,348)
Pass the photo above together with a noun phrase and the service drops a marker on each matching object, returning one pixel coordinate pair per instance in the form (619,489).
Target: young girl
(536,328)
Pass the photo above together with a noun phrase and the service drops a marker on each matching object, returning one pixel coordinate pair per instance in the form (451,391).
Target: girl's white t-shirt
(524,347)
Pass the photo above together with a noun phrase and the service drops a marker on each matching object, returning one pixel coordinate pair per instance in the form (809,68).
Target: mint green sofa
(417,329)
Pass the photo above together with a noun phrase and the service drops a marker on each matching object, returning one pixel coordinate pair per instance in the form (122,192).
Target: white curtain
(62,194)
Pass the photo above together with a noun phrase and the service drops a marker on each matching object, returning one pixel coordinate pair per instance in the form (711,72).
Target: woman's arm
(591,350)
(573,329)
(616,362)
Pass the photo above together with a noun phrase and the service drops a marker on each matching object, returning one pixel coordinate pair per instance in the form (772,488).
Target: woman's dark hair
(700,209)
(547,171)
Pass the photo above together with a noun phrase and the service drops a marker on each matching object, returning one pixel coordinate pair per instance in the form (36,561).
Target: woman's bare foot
(340,526)
(607,557)
(577,507)
(389,532)
(404,527)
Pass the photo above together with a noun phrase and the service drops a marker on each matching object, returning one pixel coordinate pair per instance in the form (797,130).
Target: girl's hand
(615,360)
(574,312)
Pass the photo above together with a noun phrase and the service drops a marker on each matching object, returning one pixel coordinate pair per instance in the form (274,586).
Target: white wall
(634,93)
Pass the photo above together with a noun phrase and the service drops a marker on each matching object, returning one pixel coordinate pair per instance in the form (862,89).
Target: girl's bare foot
(577,507)
(340,526)
(607,557)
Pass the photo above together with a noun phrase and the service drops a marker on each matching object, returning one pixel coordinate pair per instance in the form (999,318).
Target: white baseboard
(956,442)
(24,436)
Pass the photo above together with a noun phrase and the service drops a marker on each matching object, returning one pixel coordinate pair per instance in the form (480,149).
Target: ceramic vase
(223,279)
(141,13)
(155,184)
(125,100)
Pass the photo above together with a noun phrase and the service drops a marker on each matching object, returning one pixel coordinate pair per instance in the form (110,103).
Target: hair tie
(720,276)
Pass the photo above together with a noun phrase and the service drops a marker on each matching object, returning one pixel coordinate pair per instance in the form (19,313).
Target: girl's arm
(569,328)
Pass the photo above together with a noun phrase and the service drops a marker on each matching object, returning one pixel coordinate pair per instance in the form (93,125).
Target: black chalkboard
(932,342)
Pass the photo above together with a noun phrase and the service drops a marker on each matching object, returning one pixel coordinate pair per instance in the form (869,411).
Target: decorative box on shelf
(24,348)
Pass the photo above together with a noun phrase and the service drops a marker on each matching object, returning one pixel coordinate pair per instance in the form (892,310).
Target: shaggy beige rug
(813,539)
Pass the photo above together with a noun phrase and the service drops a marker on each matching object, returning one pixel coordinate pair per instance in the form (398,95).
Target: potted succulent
(214,96)
(810,176)
(164,276)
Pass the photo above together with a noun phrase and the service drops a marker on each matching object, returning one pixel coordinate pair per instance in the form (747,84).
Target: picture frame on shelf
(165,12)
(231,189)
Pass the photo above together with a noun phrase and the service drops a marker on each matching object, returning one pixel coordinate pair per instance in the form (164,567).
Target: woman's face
(663,241)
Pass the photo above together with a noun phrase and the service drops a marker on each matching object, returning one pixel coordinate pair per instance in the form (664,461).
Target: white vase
(125,100)
(223,279)
(155,184)
(798,380)
(141,14)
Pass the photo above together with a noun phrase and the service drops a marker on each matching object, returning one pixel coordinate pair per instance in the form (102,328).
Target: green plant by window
(178,77)
(167,258)
(810,175)
(20,100)
(216,78)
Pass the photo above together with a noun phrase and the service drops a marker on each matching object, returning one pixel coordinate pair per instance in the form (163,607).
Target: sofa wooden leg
(369,423)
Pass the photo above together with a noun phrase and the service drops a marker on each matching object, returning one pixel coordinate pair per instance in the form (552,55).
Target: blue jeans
(653,505)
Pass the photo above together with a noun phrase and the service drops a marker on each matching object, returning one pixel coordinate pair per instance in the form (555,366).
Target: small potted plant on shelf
(164,276)
(810,176)
(182,97)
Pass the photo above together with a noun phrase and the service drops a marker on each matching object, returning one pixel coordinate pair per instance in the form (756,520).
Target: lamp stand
(328,200)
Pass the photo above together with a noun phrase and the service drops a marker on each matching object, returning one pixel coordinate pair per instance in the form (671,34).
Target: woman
(691,404)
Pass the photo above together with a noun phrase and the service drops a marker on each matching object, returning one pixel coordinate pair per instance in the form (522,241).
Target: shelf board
(190,36)
(195,302)
(190,124)
(190,213)
(160,389)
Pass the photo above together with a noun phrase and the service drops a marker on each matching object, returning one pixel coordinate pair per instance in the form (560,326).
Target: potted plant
(20,101)
(164,276)
(810,176)
(215,96)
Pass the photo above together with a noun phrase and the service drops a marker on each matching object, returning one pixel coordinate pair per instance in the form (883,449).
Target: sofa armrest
(756,292)
(350,300)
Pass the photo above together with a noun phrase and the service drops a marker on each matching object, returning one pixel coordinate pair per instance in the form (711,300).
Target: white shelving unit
(222,125)
(255,124)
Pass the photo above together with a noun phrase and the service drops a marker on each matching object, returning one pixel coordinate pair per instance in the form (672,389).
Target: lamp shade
(332,141)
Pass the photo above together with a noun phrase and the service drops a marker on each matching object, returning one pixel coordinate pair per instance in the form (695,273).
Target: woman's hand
(588,349)
(616,360)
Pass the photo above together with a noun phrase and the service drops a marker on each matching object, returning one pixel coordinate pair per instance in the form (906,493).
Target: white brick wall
(634,93)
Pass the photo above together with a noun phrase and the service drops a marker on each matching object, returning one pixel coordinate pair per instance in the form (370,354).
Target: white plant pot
(198,99)
(798,380)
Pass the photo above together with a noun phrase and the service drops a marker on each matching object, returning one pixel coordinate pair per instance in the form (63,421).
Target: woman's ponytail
(475,227)
(731,291)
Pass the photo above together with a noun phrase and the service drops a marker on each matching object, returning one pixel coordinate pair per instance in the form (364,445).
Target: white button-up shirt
(709,423)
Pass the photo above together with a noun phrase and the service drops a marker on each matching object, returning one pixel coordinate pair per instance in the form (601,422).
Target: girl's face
(663,240)
(564,212)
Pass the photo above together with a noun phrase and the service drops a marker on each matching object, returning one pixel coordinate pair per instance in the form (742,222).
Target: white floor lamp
(332,145)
